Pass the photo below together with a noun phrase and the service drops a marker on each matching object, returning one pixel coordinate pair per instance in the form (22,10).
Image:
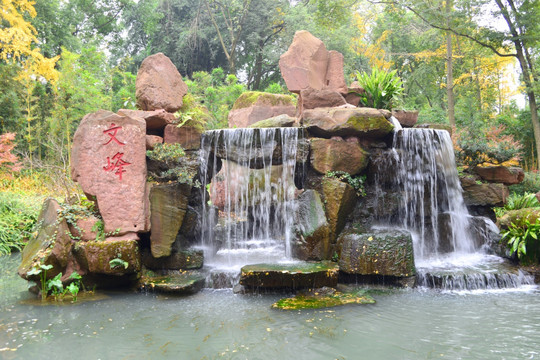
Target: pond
(217,324)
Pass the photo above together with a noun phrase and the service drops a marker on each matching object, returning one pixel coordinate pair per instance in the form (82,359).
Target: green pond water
(217,324)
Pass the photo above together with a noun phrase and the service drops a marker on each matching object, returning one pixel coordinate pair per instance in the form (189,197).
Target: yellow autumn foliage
(18,40)
(371,49)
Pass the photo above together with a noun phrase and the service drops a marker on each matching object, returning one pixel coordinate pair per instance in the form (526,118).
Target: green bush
(357,182)
(523,241)
(530,184)
(382,89)
(17,220)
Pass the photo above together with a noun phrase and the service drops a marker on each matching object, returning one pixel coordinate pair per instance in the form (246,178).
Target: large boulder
(159,85)
(383,253)
(95,256)
(361,122)
(187,136)
(500,174)
(254,106)
(51,245)
(339,199)
(312,229)
(481,194)
(312,99)
(109,162)
(407,118)
(155,120)
(307,64)
(337,155)
(168,205)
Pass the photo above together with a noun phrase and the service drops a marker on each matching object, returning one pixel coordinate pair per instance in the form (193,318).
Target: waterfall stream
(449,249)
(248,192)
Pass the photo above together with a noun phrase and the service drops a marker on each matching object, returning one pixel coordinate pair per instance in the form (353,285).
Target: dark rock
(290,276)
(312,229)
(159,85)
(476,194)
(178,260)
(382,252)
(168,205)
(339,199)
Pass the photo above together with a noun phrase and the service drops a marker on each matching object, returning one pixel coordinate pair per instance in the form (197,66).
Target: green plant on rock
(357,182)
(117,262)
(167,153)
(192,113)
(382,89)
(523,241)
(42,272)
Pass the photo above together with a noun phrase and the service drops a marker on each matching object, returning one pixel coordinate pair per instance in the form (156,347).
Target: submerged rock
(382,253)
(291,276)
(323,298)
(184,283)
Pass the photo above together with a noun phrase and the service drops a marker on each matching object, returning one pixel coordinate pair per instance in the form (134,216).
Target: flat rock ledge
(310,275)
(183,283)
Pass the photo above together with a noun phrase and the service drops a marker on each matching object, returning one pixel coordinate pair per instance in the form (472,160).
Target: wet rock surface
(292,276)
(337,155)
(323,298)
(180,283)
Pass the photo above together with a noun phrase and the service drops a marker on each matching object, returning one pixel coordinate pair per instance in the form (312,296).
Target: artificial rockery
(142,170)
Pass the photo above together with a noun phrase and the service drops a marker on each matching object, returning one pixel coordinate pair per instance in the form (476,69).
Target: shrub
(523,241)
(530,184)
(382,89)
(17,221)
(491,145)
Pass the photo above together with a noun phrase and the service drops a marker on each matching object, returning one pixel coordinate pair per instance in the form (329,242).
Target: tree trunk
(449,68)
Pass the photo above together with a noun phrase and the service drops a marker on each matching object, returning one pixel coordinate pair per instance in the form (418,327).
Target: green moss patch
(249,98)
(324,299)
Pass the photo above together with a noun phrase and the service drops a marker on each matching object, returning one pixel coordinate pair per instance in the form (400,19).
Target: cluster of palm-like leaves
(382,89)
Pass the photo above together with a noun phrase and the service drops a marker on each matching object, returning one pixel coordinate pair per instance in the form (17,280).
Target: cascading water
(449,249)
(248,203)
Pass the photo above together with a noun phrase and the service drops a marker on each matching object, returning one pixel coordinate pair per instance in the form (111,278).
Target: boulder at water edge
(51,245)
(290,276)
(168,204)
(361,122)
(254,106)
(159,85)
(109,162)
(382,253)
(339,199)
(312,229)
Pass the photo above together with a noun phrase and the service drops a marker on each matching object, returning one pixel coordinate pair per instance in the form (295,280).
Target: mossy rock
(250,98)
(291,276)
(323,298)
(182,283)
(518,217)
(95,256)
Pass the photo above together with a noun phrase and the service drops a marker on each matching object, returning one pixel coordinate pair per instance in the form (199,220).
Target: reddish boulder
(159,85)
(362,122)
(84,228)
(152,140)
(254,106)
(109,162)
(500,174)
(337,155)
(353,93)
(335,80)
(155,120)
(311,99)
(187,136)
(407,118)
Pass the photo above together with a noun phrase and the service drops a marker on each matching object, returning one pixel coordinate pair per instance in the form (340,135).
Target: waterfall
(248,189)
(449,244)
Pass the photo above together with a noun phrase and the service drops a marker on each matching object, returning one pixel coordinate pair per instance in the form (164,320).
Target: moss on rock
(322,298)
(250,98)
